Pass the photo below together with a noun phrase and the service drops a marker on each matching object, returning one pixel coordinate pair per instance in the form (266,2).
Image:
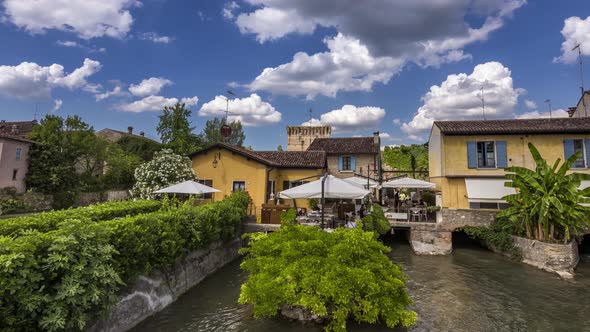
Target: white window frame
(583,153)
(350,168)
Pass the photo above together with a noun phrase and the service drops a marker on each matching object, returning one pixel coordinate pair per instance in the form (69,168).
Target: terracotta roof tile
(280,159)
(516,126)
(356,145)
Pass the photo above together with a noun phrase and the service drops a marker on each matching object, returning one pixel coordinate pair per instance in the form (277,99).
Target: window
(488,205)
(239,186)
(18,153)
(347,163)
(14,174)
(207,183)
(292,184)
(486,155)
(579,147)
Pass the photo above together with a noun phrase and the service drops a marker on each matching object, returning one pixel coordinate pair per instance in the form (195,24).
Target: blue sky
(391,66)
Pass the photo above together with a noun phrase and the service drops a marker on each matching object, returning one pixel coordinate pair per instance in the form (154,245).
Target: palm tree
(547,205)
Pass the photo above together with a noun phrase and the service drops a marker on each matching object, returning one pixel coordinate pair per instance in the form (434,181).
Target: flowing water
(470,290)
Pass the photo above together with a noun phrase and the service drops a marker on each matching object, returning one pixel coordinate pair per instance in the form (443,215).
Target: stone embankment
(153,292)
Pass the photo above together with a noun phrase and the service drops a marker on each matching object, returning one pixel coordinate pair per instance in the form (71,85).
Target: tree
(166,169)
(212,132)
(280,148)
(547,205)
(64,148)
(412,158)
(142,147)
(120,167)
(175,130)
(340,275)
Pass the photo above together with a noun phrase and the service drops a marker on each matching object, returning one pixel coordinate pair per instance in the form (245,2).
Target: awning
(187,187)
(361,182)
(487,190)
(408,183)
(333,188)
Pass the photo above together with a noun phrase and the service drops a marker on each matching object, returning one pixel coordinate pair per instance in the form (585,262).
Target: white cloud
(271,23)
(156,38)
(370,46)
(313,123)
(558,113)
(56,105)
(117,91)
(150,86)
(86,18)
(459,98)
(347,66)
(397,122)
(30,80)
(68,43)
(350,118)
(229,9)
(530,104)
(155,103)
(252,111)
(575,31)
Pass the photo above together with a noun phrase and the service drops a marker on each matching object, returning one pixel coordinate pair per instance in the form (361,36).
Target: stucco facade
(232,167)
(448,159)
(14,154)
(362,162)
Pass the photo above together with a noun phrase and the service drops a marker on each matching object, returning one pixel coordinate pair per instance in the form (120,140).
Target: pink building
(14,163)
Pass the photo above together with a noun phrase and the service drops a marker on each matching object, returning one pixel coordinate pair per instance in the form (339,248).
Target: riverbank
(472,289)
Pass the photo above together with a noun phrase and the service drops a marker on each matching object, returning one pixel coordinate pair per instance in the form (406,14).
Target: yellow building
(467,158)
(262,173)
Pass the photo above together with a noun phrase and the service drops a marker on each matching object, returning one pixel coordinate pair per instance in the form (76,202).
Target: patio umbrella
(361,182)
(187,187)
(333,188)
(408,183)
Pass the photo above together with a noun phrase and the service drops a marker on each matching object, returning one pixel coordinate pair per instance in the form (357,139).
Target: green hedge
(61,279)
(375,221)
(48,221)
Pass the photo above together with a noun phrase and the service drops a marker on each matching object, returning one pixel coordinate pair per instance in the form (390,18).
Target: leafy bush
(548,203)
(340,275)
(12,205)
(289,217)
(164,170)
(499,235)
(61,279)
(47,221)
(375,221)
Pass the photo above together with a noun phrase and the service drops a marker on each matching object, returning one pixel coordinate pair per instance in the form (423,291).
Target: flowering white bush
(164,170)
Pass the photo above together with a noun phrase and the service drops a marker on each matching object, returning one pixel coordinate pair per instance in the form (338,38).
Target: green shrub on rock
(339,275)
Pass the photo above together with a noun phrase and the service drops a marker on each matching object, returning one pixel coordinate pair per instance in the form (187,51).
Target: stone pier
(435,238)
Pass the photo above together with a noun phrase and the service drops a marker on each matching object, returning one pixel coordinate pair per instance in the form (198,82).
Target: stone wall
(457,218)
(152,293)
(116,195)
(558,258)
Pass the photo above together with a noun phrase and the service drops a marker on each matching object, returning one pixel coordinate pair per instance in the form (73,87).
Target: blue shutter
(587,149)
(340,163)
(472,154)
(353,163)
(568,148)
(501,154)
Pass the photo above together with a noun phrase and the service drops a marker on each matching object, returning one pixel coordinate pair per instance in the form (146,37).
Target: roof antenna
(578,47)
(548,101)
(483,102)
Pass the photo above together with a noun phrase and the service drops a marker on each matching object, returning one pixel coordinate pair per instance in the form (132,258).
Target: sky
(392,66)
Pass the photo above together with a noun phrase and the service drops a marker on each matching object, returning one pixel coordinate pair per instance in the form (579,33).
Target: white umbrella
(408,183)
(333,188)
(187,187)
(361,182)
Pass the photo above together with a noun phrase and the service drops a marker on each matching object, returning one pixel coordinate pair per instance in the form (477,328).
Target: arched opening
(462,240)
(584,248)
(398,235)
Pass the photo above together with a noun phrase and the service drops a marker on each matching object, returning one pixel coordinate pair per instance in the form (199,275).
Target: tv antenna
(548,101)
(225,129)
(483,101)
(578,47)
(310,116)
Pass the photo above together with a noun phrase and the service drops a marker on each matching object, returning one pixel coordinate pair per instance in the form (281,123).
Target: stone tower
(300,137)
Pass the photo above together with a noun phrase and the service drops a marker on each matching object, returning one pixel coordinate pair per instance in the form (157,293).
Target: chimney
(14,130)
(130,130)
(141,133)
(376,139)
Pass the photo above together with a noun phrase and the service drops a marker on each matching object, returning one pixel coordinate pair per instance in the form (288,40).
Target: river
(470,290)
